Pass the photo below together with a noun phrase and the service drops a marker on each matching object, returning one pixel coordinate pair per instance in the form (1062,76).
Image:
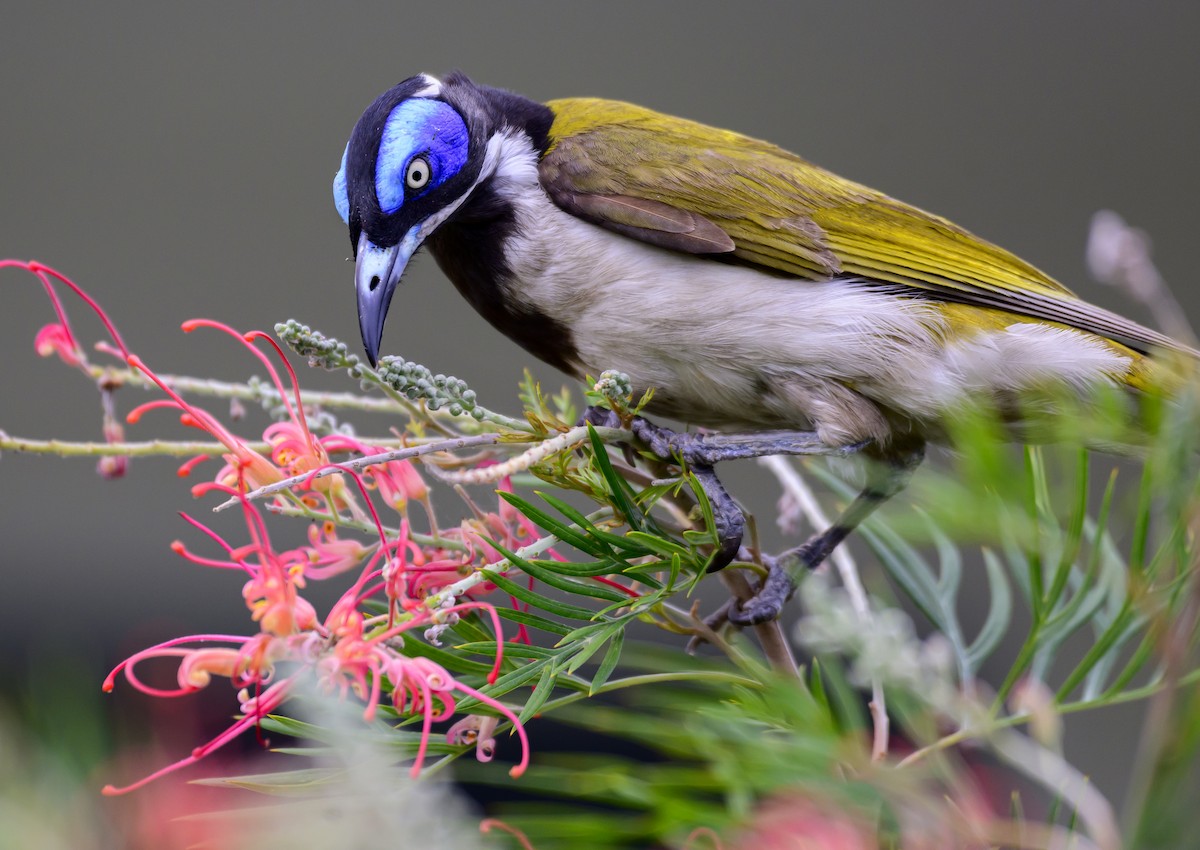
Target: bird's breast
(722,345)
(729,346)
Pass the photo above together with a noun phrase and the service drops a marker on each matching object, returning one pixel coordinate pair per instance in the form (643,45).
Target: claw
(601,417)
(701,452)
(768,602)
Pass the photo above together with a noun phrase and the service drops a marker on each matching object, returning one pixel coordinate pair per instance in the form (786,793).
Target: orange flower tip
(108,685)
(516,771)
(369,713)
(135,361)
(177,547)
(183,472)
(110,791)
(134,417)
(190,325)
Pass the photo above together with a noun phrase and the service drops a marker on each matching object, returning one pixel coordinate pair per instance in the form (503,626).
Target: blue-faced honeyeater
(756,293)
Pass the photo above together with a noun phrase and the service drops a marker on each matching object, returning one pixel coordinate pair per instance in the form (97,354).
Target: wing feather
(693,188)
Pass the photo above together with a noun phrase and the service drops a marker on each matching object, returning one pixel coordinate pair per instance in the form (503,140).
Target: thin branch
(770,634)
(795,487)
(358,463)
(561,443)
(148,448)
(67,448)
(537,547)
(974,733)
(243,391)
(1162,716)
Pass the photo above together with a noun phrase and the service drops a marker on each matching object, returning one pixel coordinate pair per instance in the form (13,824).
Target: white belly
(729,346)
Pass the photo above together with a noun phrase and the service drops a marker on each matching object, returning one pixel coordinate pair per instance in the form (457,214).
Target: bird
(779,306)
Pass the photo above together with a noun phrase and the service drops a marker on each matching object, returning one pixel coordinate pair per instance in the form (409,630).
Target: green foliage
(1092,600)
(1084,575)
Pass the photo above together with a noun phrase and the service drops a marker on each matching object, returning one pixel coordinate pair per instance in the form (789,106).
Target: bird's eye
(416,176)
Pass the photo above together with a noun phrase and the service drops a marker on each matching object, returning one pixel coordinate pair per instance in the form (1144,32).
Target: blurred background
(176,160)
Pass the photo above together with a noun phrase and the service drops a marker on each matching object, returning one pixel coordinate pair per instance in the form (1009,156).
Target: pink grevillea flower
(328,555)
(360,661)
(792,821)
(398,482)
(488,824)
(56,339)
(434,568)
(294,450)
(253,709)
(475,730)
(346,654)
(272,592)
(244,464)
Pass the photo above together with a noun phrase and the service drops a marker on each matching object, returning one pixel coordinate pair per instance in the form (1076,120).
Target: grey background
(177,160)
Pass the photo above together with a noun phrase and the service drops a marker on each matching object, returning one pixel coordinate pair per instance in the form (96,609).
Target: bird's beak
(376,273)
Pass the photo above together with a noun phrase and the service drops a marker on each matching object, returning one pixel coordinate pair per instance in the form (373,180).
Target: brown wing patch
(650,221)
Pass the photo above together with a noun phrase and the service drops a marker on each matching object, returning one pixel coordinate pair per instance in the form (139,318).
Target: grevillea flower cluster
(345,653)
(354,650)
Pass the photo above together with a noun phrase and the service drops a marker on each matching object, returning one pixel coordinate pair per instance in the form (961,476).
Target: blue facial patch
(341,198)
(420,126)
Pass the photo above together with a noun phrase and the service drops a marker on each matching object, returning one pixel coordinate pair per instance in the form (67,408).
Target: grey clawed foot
(671,446)
(700,452)
(768,602)
(601,417)
(784,572)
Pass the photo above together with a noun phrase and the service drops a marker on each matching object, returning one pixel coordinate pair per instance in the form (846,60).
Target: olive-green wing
(693,188)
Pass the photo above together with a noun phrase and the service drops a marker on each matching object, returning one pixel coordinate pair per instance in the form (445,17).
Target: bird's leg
(701,451)
(728,520)
(670,446)
(884,480)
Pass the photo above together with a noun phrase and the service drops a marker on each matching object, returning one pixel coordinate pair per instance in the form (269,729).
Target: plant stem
(770,635)
(148,448)
(971,734)
(363,462)
(67,448)
(795,486)
(243,391)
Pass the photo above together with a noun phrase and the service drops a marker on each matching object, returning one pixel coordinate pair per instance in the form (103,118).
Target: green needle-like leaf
(999,613)
(609,662)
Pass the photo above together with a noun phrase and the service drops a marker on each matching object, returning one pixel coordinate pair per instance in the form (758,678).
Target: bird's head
(414,156)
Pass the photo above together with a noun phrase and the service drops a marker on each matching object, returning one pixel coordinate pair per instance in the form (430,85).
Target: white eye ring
(418,172)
